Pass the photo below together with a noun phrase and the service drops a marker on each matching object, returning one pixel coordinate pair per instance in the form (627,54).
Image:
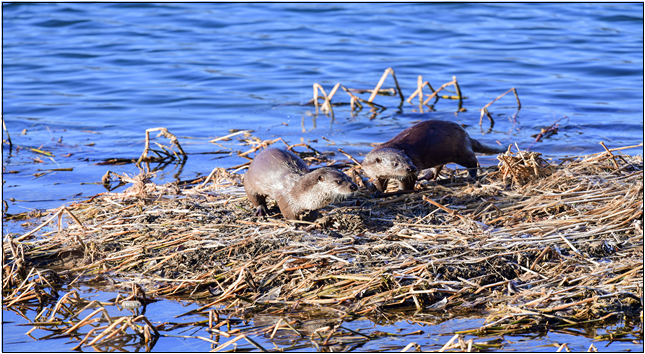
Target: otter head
(320,187)
(388,163)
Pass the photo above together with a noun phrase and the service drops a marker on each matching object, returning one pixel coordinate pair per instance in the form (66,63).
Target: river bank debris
(533,245)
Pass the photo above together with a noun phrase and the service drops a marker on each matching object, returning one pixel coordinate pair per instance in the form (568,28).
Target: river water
(83,81)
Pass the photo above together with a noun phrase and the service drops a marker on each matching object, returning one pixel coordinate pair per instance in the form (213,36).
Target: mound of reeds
(532,244)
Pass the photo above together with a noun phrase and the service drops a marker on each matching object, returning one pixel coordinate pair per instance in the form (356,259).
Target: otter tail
(485,149)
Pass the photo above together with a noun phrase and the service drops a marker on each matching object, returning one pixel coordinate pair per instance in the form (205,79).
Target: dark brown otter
(429,144)
(283,176)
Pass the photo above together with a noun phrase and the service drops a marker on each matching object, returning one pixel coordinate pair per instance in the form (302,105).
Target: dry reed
(531,244)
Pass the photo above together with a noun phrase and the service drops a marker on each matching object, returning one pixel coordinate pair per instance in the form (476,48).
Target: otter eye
(321,178)
(378,160)
(396,164)
(339,182)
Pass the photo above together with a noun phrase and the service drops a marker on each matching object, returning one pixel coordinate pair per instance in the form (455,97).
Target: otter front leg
(381,184)
(432,173)
(408,182)
(286,210)
(471,164)
(437,169)
(311,216)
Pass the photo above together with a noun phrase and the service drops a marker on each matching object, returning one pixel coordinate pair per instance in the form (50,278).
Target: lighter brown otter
(425,145)
(285,178)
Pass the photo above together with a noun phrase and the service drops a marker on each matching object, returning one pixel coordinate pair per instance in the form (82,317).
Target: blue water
(202,69)
(437,329)
(84,81)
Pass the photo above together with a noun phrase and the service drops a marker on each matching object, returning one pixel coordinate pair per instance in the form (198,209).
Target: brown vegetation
(533,244)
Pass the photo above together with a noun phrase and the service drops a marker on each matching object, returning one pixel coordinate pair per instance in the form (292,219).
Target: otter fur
(425,145)
(284,177)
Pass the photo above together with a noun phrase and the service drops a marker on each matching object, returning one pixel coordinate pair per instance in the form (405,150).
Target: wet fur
(284,177)
(427,145)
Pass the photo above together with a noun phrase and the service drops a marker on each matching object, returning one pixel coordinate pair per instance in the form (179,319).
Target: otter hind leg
(261,211)
(259,201)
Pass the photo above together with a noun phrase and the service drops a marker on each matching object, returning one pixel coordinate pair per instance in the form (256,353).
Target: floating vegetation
(166,153)
(4,129)
(355,102)
(533,245)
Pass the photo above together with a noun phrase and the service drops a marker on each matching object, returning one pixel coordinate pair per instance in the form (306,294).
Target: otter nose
(411,169)
(353,187)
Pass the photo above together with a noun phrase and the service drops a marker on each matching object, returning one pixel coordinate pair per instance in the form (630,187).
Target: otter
(283,176)
(425,145)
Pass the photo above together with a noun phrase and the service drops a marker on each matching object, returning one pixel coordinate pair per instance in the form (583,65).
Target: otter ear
(321,178)
(378,160)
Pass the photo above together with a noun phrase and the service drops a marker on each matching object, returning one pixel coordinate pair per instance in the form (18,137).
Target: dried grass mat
(531,243)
